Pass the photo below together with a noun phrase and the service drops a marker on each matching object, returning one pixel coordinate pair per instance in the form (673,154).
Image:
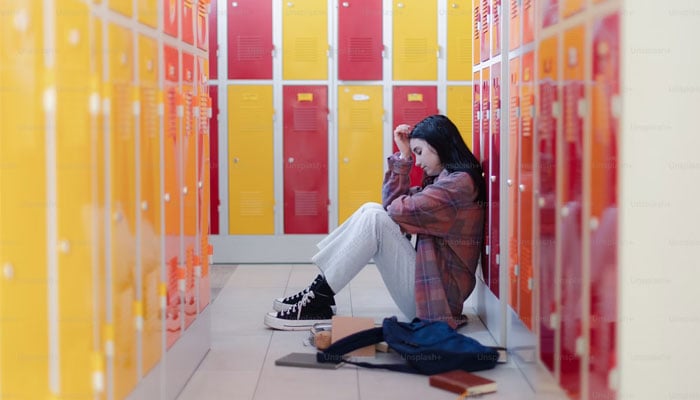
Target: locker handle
(509,182)
(521,187)
(493,178)
(235,160)
(290,160)
(346,160)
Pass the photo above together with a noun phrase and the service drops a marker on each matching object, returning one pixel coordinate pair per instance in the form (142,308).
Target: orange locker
(172,156)
(188,21)
(513,177)
(485,36)
(496,27)
(171,13)
(189,184)
(571,7)
(203,186)
(515,11)
(476,32)
(528,21)
(202,25)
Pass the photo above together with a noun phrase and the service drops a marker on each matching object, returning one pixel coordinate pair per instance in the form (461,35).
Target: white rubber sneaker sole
(272,321)
(278,305)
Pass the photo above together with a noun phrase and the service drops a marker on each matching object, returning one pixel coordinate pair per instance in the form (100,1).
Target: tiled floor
(241,361)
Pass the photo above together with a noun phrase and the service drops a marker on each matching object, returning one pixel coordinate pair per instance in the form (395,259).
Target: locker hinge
(98,372)
(498,259)
(516,270)
(487,249)
(553,321)
(581,346)
(529,284)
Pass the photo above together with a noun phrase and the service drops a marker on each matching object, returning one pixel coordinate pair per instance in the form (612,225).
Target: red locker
(547,96)
(485,30)
(478,150)
(525,189)
(250,39)
(171,12)
(172,163)
(496,28)
(411,105)
(203,25)
(188,21)
(494,118)
(305,159)
(528,21)
(485,135)
(214,161)
(360,40)
(513,182)
(550,12)
(603,251)
(212,45)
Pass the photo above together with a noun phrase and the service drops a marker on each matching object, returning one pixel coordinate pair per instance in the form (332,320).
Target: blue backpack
(428,347)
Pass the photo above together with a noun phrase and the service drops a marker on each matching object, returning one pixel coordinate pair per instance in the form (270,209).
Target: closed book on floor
(463,382)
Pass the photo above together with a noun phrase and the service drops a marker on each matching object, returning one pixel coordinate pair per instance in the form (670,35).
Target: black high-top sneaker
(285,303)
(311,309)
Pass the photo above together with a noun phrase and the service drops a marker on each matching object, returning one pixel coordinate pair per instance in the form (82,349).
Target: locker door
(476,32)
(251,171)
(188,18)
(203,186)
(571,7)
(496,28)
(202,25)
(528,21)
(485,30)
(125,7)
(171,12)
(525,187)
(490,177)
(172,156)
(415,40)
(147,12)
(150,202)
(212,42)
(550,12)
(515,11)
(513,177)
(411,105)
(459,40)
(494,117)
(250,39)
(214,161)
(75,185)
(122,213)
(547,96)
(23,345)
(605,124)
(459,110)
(305,159)
(360,40)
(189,183)
(360,137)
(570,217)
(305,44)
(477,139)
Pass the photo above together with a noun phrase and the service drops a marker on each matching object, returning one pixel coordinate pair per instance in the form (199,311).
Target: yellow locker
(147,12)
(459,110)
(305,39)
(459,40)
(150,206)
(251,175)
(125,7)
(75,155)
(415,40)
(122,212)
(360,138)
(23,204)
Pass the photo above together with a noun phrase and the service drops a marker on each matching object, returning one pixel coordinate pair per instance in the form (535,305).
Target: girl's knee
(371,206)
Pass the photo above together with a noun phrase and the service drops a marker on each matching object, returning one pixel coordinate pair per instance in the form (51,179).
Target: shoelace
(295,298)
(305,299)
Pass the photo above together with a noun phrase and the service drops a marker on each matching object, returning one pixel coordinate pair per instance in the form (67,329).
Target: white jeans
(371,233)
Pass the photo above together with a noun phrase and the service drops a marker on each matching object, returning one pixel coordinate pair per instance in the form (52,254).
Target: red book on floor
(463,382)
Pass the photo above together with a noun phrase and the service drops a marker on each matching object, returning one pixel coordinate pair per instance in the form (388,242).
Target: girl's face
(426,157)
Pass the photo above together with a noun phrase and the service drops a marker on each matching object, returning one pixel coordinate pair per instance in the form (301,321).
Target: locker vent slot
(361,118)
(414,50)
(252,120)
(305,203)
(122,111)
(306,49)
(305,119)
(250,48)
(251,204)
(414,114)
(360,49)
(465,50)
(149,104)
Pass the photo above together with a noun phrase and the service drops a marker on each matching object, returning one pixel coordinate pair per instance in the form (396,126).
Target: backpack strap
(335,352)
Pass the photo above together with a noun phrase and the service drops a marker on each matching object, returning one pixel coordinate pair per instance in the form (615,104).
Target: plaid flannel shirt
(449,224)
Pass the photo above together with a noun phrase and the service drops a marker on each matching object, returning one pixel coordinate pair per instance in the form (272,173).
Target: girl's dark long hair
(444,137)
